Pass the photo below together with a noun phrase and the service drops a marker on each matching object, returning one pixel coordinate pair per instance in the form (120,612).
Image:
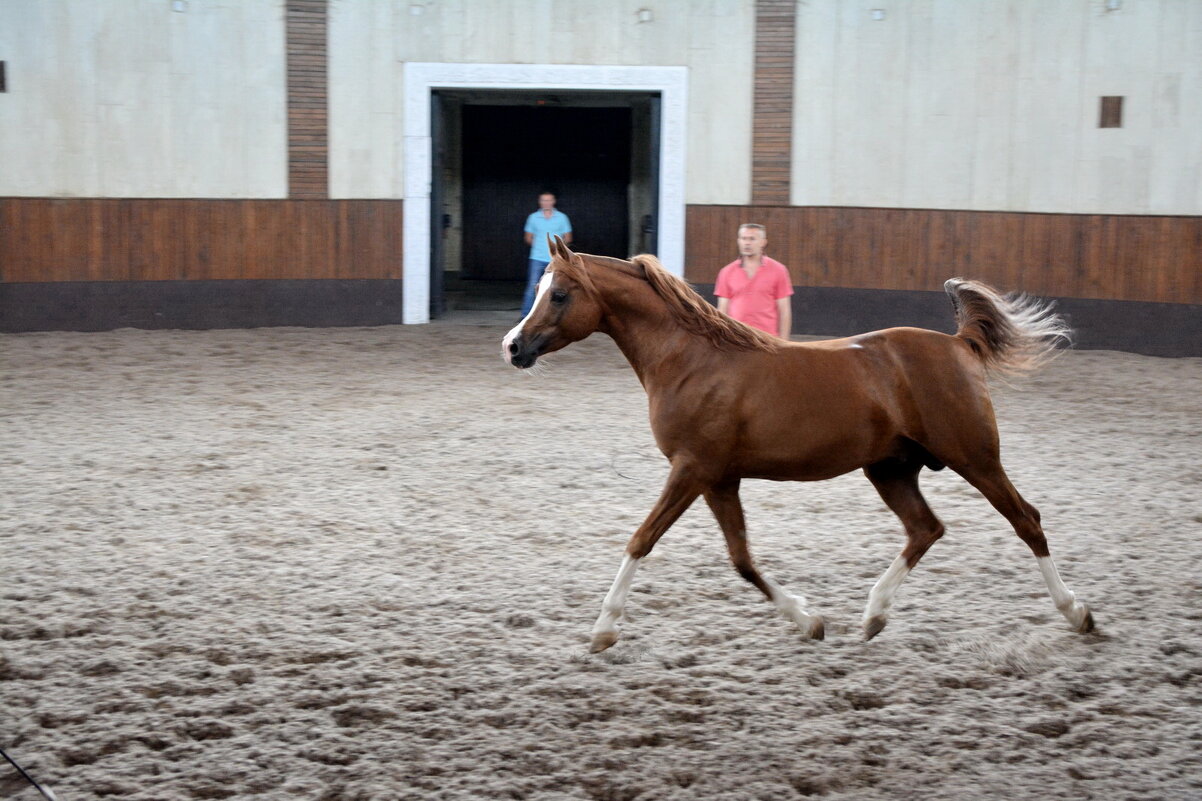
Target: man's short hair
(755,226)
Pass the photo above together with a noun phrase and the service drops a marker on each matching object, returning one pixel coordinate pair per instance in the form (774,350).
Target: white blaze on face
(543,285)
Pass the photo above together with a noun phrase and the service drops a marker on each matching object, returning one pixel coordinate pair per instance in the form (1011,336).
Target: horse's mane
(688,308)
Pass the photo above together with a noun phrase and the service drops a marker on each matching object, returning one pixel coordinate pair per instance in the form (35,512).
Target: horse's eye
(558,296)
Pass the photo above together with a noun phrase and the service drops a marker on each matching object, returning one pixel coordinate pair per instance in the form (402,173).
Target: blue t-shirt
(540,226)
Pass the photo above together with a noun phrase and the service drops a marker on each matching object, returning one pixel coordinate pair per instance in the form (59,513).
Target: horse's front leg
(724,502)
(683,487)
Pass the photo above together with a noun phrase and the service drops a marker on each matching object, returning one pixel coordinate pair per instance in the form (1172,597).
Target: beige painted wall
(988,104)
(128,98)
(993,104)
(370,40)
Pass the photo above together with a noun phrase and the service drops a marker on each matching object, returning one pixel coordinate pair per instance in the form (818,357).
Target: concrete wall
(370,41)
(994,105)
(128,98)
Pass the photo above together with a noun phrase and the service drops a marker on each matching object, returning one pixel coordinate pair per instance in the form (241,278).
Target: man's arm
(567,238)
(724,305)
(529,238)
(784,314)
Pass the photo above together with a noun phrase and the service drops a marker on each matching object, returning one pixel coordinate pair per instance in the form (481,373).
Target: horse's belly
(800,468)
(815,452)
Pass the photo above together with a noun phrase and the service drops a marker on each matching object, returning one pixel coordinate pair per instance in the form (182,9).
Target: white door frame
(422,78)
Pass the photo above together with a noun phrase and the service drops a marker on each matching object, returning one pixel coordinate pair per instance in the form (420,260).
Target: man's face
(546,201)
(752,242)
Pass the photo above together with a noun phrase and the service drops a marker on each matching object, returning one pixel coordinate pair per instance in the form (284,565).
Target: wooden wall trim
(772,126)
(1106,257)
(121,239)
(308,123)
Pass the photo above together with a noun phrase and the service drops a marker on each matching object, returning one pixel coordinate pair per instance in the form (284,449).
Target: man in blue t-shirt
(542,222)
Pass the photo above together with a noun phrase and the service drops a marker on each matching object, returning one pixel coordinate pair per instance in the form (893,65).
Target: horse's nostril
(513,348)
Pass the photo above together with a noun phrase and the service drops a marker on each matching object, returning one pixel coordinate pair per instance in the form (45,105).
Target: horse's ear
(552,246)
(564,251)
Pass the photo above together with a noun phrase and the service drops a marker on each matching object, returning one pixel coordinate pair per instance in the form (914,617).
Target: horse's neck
(649,336)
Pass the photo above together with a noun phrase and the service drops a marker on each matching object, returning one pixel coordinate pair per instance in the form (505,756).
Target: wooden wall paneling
(302,239)
(393,244)
(221,238)
(1157,259)
(1086,256)
(1031,252)
(887,261)
(343,254)
(819,229)
(299,251)
(1063,263)
(308,124)
(141,245)
(28,227)
(20,237)
(772,111)
(846,243)
(120,239)
(698,243)
(1143,259)
(1179,243)
(322,220)
(921,268)
(111,242)
(62,229)
(1097,256)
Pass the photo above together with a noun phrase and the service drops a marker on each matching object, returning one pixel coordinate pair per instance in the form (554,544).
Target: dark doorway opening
(502,149)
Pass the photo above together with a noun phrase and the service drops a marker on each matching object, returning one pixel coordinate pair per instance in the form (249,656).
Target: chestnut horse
(728,402)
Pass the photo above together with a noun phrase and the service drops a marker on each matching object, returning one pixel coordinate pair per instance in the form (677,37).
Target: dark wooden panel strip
(772,119)
(1106,257)
(308,103)
(112,239)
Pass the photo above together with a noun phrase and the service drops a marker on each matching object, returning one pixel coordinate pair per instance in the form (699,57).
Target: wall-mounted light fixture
(878,14)
(1114,5)
(179,6)
(646,15)
(416,10)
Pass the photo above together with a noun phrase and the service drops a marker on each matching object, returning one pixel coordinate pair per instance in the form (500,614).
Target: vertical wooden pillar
(772,127)
(308,125)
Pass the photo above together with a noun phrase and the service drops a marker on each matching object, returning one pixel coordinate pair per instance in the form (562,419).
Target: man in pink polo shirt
(756,288)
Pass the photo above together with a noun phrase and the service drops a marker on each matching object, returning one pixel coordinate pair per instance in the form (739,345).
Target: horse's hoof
(873,626)
(1086,625)
(818,630)
(602,640)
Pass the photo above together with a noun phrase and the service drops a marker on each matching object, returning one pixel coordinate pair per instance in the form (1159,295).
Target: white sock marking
(881,596)
(791,606)
(1064,598)
(615,599)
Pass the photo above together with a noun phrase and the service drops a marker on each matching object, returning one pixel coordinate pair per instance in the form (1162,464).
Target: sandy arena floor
(363,563)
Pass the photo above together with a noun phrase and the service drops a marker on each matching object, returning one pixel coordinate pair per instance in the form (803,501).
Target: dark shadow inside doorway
(511,153)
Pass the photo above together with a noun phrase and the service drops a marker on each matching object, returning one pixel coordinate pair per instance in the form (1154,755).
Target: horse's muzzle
(523,352)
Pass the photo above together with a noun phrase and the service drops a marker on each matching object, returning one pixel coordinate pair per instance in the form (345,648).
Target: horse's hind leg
(723,500)
(897,483)
(997,489)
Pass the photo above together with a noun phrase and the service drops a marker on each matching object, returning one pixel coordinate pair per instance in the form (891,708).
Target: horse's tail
(1013,334)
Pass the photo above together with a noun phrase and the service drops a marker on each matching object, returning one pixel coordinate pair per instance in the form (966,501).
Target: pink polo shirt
(754,301)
